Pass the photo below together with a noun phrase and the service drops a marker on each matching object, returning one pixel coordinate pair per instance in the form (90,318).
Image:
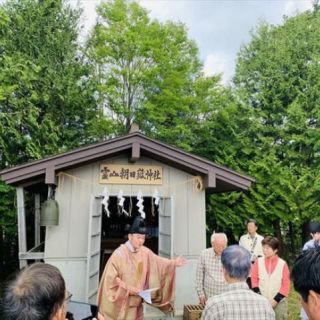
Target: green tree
(222,137)
(277,84)
(147,71)
(47,99)
(150,73)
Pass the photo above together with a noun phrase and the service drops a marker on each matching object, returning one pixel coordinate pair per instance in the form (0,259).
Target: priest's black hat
(314,226)
(138,226)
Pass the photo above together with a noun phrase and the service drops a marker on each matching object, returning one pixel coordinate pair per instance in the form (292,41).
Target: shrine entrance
(116,221)
(116,172)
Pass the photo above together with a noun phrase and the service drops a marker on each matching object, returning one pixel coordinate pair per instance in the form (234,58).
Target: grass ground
(293,305)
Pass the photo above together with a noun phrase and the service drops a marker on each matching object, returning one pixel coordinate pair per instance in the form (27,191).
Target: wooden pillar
(22,234)
(37,219)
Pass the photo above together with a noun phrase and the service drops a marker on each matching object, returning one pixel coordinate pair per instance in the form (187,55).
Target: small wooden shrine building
(99,189)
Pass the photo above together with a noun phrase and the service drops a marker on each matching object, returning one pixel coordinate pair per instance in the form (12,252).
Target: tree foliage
(46,92)
(277,84)
(44,104)
(149,73)
(54,97)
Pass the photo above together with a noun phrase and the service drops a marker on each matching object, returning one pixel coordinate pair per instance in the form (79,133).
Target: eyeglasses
(68,296)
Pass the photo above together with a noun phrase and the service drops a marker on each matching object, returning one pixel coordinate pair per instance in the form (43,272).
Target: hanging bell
(49,215)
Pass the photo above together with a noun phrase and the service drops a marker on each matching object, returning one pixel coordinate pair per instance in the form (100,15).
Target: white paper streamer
(105,201)
(121,198)
(156,197)
(140,205)
(121,201)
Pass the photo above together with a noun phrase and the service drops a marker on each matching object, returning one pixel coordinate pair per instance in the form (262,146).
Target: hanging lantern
(49,213)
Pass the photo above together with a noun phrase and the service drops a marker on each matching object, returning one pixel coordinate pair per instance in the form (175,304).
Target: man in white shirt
(252,240)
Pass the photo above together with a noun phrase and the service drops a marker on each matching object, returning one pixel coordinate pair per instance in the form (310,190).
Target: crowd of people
(256,280)
(248,281)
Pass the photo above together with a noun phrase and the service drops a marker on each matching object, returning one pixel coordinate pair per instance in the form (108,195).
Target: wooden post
(22,235)
(37,219)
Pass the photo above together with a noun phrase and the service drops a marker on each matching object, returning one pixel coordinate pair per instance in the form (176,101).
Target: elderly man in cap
(132,268)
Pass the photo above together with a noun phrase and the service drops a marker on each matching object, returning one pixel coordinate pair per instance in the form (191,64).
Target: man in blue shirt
(314,229)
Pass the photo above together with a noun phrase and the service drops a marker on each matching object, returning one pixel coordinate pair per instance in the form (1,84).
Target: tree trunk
(277,232)
(1,250)
(292,242)
(305,233)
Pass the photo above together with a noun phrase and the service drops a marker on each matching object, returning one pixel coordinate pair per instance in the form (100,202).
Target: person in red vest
(270,277)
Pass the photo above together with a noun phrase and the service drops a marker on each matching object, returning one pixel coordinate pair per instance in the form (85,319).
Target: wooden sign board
(130,174)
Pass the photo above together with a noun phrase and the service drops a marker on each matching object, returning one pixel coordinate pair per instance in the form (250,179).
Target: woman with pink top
(270,277)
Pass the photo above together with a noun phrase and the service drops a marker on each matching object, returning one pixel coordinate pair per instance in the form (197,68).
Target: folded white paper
(146,294)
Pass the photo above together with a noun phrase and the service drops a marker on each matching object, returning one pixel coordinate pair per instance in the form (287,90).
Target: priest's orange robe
(141,270)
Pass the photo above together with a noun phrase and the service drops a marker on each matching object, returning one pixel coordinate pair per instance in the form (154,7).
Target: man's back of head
(37,293)
(306,280)
(236,262)
(237,301)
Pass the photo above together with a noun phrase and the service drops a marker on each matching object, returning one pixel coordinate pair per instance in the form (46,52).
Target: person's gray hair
(236,261)
(36,293)
(219,235)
